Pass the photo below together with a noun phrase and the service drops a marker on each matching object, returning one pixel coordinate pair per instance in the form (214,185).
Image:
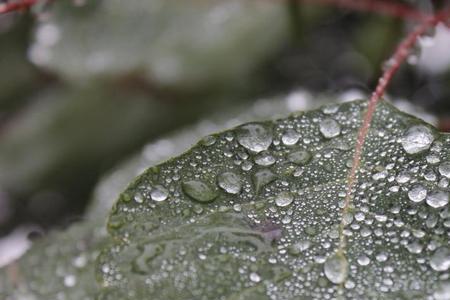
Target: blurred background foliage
(86,84)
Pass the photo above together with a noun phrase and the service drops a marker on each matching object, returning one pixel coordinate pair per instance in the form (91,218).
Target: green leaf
(182,44)
(279,238)
(61,266)
(271,231)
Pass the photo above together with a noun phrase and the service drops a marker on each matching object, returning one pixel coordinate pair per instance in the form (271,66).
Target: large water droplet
(440,260)
(437,199)
(198,190)
(159,193)
(284,199)
(300,157)
(417,139)
(263,177)
(264,159)
(290,137)
(443,291)
(230,182)
(329,128)
(254,137)
(444,169)
(336,268)
(417,193)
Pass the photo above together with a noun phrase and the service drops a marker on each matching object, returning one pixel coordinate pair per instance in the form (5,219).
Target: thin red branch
(380,7)
(16,5)
(399,56)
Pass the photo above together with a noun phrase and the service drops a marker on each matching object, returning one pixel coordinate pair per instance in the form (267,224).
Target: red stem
(397,59)
(16,6)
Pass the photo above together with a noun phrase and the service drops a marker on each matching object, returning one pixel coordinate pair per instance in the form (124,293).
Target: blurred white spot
(14,245)
(351,95)
(299,100)
(435,56)
(47,35)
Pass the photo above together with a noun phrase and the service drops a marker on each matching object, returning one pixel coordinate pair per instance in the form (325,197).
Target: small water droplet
(417,139)
(437,199)
(255,277)
(300,157)
(336,268)
(198,190)
(297,248)
(254,137)
(363,260)
(159,193)
(417,193)
(329,128)
(230,182)
(70,280)
(284,199)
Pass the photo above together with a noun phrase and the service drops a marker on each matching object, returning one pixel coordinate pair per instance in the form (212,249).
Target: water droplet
(255,277)
(284,199)
(264,159)
(254,137)
(70,280)
(329,128)
(440,260)
(363,260)
(437,199)
(300,157)
(159,193)
(330,109)
(262,178)
(443,291)
(297,248)
(290,137)
(230,182)
(444,169)
(417,193)
(336,268)
(417,139)
(198,190)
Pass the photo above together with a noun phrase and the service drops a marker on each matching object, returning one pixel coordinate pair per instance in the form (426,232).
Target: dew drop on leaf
(300,157)
(444,169)
(329,128)
(440,260)
(417,139)
(254,137)
(199,191)
(336,268)
(290,137)
(159,193)
(284,199)
(230,182)
(262,178)
(417,193)
(443,291)
(437,199)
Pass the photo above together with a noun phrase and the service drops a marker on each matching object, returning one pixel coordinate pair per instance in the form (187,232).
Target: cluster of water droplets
(260,208)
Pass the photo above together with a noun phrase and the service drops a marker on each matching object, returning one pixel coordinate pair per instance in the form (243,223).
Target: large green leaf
(254,213)
(187,44)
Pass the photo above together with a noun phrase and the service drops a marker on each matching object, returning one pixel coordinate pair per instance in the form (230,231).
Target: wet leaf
(279,238)
(255,238)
